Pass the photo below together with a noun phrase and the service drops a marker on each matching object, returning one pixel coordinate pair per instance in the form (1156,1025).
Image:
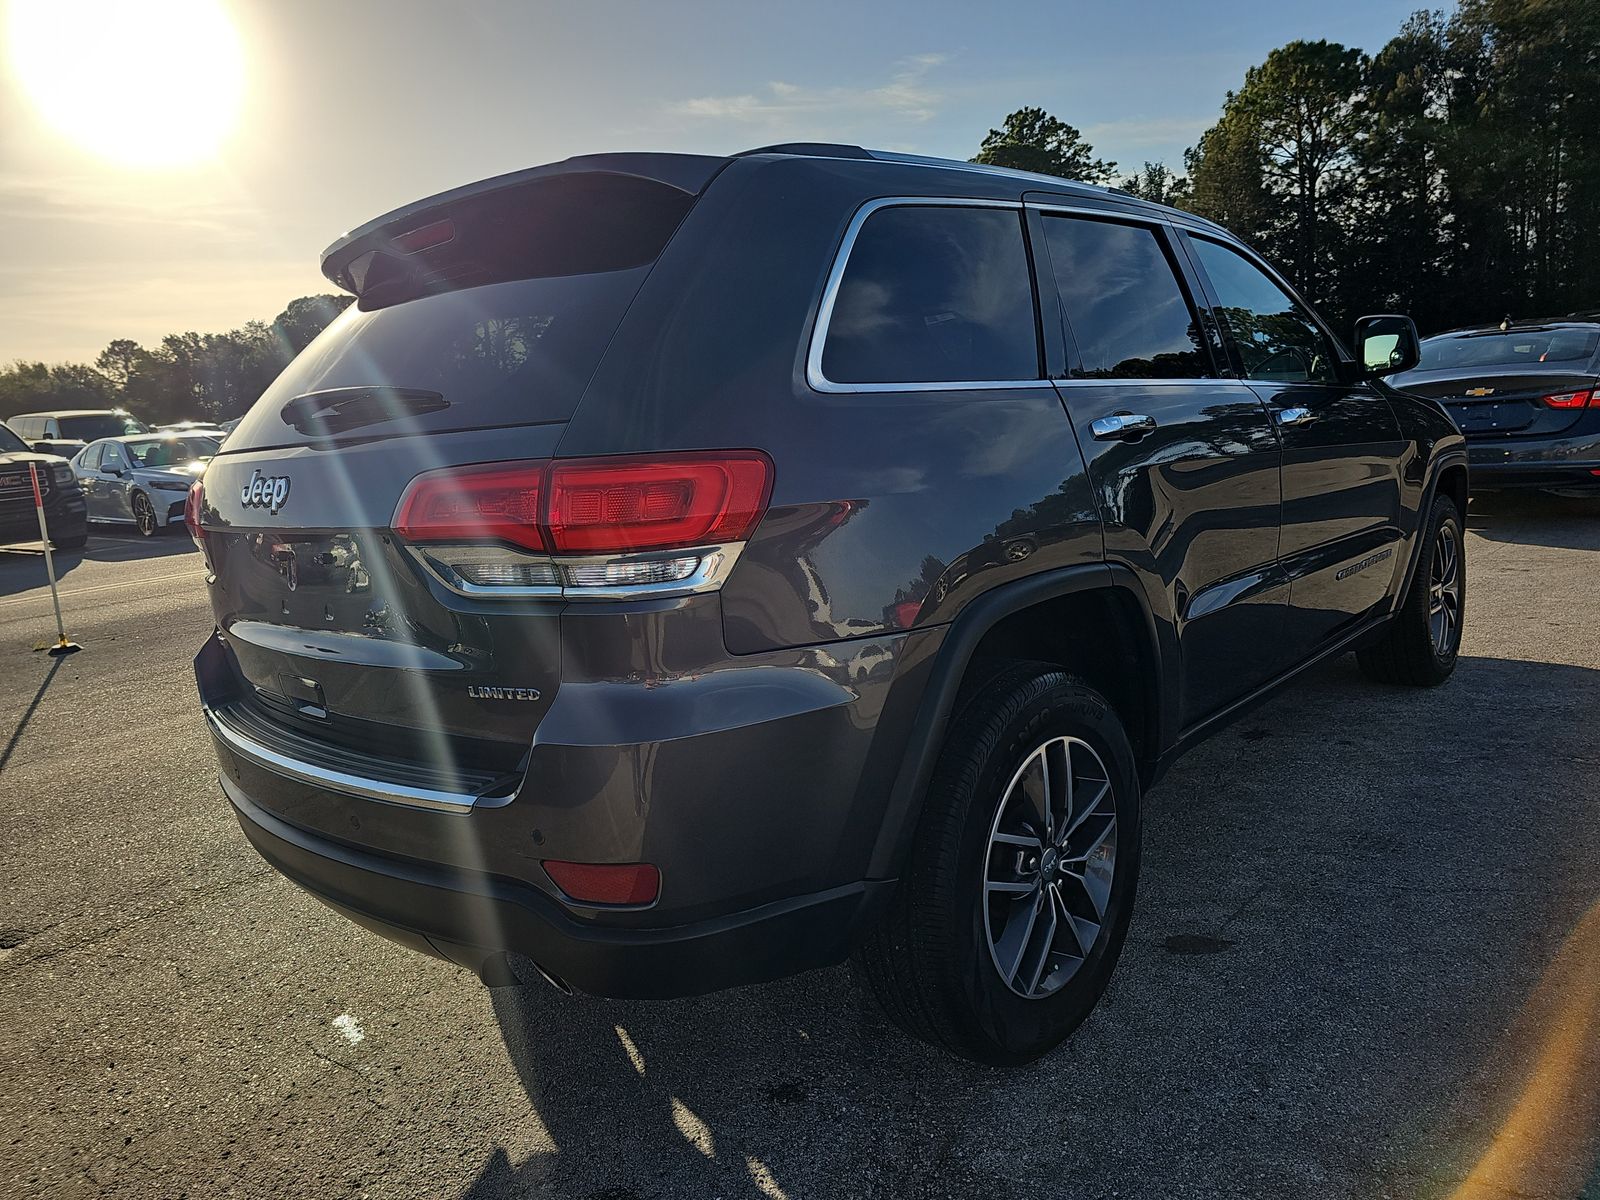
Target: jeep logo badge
(265,491)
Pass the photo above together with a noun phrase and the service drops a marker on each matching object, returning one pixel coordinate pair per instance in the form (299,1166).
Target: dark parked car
(66,431)
(676,572)
(63,500)
(1527,396)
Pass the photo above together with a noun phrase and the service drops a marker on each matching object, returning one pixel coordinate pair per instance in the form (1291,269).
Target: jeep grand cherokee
(675,572)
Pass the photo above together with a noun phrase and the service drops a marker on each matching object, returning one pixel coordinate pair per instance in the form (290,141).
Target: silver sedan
(141,480)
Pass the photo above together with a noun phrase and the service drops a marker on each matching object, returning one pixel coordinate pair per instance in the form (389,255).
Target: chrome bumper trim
(336,781)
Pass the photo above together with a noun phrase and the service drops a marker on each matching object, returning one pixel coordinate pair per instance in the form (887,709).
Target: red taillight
(498,502)
(607,505)
(606,883)
(1569,399)
(192,507)
(592,506)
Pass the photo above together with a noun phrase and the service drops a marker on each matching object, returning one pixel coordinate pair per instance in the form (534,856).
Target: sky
(172,165)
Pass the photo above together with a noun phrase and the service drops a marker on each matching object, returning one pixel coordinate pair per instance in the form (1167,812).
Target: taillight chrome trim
(715,564)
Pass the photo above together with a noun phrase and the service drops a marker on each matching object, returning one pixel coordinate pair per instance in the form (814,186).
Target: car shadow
(22,565)
(1536,519)
(1348,898)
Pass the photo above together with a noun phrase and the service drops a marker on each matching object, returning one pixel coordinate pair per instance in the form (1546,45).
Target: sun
(144,83)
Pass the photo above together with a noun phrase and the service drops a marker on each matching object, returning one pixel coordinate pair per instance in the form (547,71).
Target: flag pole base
(63,647)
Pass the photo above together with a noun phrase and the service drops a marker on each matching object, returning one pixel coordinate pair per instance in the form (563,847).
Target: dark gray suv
(676,572)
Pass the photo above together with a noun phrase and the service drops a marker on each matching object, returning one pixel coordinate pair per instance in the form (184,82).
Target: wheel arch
(1059,617)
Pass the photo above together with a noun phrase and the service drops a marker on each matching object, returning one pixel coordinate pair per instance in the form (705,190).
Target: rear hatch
(1524,383)
(481,317)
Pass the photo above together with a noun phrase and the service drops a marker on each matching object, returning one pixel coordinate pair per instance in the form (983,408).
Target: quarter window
(1276,337)
(934,295)
(1123,302)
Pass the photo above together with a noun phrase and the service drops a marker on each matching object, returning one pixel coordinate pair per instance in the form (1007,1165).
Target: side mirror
(1386,345)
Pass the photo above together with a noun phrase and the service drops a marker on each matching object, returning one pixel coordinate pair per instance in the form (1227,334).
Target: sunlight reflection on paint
(1548,1143)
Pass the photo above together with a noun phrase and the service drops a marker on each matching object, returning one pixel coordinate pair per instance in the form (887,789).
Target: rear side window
(1277,338)
(27,427)
(1125,307)
(934,294)
(91,457)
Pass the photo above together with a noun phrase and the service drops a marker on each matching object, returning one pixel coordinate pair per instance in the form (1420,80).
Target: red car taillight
(192,506)
(498,502)
(656,503)
(598,527)
(1570,399)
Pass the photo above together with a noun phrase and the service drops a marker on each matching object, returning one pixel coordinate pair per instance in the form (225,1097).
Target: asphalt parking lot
(1365,962)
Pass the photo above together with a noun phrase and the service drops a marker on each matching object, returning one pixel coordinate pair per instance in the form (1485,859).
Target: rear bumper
(1567,462)
(473,919)
(757,789)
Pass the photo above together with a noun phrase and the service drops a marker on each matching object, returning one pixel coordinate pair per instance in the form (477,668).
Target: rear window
(933,295)
(1513,349)
(99,425)
(502,322)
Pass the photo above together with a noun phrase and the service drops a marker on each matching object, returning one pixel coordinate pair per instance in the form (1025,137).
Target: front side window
(1276,337)
(1124,305)
(934,294)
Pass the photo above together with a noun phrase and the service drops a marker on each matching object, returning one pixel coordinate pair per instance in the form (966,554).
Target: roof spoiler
(685,173)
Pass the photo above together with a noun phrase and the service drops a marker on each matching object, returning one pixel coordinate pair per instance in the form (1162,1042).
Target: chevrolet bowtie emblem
(1480,391)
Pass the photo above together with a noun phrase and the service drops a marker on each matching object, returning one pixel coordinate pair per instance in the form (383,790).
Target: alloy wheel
(1048,867)
(1444,592)
(144,514)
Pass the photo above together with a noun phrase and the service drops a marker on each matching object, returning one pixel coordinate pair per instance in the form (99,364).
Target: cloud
(906,96)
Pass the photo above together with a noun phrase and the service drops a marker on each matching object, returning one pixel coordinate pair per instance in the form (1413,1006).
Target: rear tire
(958,961)
(70,543)
(1423,641)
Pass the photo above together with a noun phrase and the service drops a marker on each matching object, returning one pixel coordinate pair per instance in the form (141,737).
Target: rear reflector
(606,883)
(1568,399)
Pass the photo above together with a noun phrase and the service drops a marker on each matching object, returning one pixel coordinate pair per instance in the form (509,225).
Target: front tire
(1006,927)
(70,543)
(144,516)
(1423,641)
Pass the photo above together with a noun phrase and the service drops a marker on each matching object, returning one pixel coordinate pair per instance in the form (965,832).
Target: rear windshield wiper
(338,410)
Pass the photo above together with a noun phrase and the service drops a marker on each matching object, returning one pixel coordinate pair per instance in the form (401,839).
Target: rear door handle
(1122,425)
(1295,416)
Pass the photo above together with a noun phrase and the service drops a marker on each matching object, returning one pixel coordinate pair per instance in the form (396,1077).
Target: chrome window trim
(716,564)
(819,382)
(337,781)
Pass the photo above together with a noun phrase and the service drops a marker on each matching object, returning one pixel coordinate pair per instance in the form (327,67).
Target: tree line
(203,376)
(1453,175)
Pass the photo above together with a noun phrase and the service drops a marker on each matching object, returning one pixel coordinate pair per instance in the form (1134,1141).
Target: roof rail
(809,150)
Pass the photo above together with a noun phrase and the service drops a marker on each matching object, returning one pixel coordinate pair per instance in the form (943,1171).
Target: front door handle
(1122,425)
(1295,416)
